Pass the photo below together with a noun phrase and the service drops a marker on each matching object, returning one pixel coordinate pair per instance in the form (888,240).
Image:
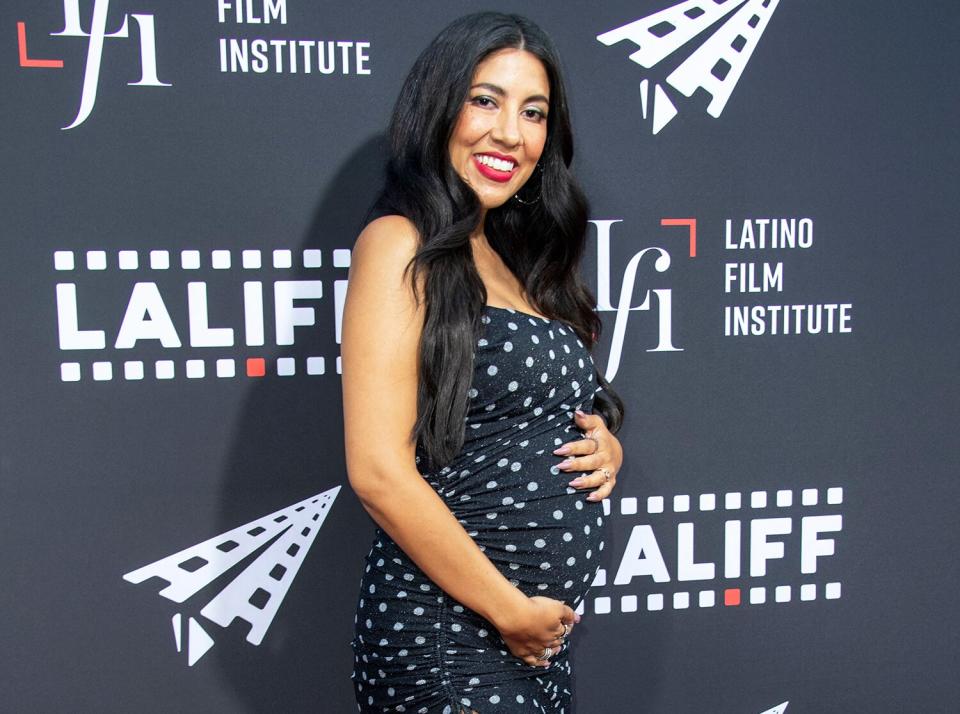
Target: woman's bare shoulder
(379,280)
(390,238)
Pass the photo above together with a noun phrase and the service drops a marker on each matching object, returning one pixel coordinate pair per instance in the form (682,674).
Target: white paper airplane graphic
(257,592)
(779,709)
(715,66)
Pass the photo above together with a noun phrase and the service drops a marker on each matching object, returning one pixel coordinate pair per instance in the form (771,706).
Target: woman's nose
(506,129)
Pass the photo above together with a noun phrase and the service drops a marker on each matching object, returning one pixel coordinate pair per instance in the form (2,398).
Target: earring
(519,200)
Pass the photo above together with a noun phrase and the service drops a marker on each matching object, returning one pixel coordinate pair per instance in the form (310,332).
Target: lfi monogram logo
(660,258)
(96,36)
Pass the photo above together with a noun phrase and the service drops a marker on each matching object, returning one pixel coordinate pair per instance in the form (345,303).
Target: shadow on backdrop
(288,446)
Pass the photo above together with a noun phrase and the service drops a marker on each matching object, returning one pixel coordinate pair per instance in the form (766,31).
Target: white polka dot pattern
(416,649)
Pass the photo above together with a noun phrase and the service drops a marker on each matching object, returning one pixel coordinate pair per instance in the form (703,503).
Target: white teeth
(498,164)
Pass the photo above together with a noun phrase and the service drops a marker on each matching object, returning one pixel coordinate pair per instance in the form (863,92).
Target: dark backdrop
(815,471)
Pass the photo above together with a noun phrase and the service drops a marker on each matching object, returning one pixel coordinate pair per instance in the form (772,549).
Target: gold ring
(606,475)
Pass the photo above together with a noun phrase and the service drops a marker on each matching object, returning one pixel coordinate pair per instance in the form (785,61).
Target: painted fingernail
(576,482)
(565,449)
(566,463)
(580,412)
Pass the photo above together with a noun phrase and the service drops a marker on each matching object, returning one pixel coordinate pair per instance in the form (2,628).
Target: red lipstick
(492,173)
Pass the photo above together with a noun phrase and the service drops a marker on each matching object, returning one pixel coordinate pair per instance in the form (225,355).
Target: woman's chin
(491,200)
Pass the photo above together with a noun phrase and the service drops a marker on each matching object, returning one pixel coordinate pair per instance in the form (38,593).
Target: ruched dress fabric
(416,649)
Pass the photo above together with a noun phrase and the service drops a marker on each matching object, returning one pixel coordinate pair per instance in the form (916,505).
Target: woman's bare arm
(380,340)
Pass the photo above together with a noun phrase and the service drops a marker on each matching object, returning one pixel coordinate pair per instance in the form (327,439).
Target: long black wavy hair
(542,242)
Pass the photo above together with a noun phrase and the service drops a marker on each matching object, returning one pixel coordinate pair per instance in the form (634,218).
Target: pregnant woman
(469,389)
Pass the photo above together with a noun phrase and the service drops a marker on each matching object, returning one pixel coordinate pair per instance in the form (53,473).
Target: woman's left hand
(599,454)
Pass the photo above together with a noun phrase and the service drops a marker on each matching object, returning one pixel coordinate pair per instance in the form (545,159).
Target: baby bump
(515,503)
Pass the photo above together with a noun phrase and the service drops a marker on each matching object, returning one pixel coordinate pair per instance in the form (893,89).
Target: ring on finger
(596,442)
(547,654)
(566,629)
(606,475)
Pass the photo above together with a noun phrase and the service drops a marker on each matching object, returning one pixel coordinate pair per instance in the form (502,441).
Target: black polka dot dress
(417,649)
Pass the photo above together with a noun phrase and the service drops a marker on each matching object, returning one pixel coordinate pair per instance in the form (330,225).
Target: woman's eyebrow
(500,92)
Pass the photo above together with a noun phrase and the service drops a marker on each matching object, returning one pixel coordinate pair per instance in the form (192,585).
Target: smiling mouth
(493,168)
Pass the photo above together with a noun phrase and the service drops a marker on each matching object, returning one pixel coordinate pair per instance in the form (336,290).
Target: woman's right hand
(538,625)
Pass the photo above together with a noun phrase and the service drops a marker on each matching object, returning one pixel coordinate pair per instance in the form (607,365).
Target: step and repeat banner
(773,250)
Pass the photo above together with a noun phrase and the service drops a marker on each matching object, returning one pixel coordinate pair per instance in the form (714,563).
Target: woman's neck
(502,286)
(478,237)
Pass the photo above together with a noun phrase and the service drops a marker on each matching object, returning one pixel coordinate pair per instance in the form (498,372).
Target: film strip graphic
(730,596)
(253,259)
(715,66)
(256,593)
(166,369)
(70,264)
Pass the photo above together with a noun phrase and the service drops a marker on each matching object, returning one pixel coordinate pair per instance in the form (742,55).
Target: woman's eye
(483,101)
(535,114)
